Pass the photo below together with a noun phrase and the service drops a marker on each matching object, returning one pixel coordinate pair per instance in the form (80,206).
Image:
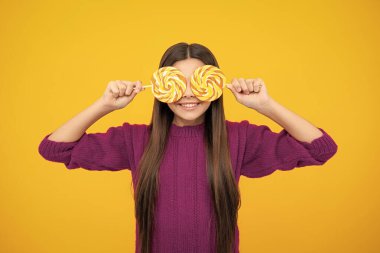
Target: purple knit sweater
(184,221)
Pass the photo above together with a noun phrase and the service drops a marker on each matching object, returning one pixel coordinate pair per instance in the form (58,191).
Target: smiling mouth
(188,105)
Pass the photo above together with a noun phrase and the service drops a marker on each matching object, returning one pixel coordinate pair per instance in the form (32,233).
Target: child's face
(184,115)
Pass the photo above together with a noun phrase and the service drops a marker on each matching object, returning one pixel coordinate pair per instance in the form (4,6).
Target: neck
(183,122)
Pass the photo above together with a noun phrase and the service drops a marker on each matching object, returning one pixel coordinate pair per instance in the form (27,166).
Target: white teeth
(189,105)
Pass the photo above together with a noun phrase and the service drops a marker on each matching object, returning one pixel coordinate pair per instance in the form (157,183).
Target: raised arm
(295,125)
(117,95)
(299,144)
(71,145)
(73,129)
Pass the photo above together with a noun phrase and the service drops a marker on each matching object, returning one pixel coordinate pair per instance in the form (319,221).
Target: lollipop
(207,83)
(168,84)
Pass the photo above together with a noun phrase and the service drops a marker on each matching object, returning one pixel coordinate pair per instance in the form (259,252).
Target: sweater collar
(189,131)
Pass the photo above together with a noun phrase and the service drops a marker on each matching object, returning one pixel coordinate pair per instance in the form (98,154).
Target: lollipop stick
(145,86)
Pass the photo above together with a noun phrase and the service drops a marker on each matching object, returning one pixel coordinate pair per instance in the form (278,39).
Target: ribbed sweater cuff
(49,147)
(324,145)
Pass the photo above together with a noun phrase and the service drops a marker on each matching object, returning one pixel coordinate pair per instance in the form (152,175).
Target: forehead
(188,66)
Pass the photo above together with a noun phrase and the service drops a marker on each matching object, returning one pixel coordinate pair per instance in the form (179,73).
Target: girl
(187,162)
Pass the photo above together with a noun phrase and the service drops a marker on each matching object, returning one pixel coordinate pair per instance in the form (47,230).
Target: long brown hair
(224,188)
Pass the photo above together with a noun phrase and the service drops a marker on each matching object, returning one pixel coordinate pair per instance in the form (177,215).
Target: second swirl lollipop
(168,84)
(207,83)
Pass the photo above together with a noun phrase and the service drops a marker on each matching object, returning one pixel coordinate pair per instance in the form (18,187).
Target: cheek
(206,105)
(171,106)
(174,108)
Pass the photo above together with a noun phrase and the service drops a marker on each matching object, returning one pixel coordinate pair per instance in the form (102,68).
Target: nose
(188,92)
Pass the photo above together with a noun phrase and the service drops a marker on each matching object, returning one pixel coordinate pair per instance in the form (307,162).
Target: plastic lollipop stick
(145,86)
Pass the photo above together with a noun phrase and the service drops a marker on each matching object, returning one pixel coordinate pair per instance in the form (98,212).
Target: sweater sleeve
(267,151)
(92,151)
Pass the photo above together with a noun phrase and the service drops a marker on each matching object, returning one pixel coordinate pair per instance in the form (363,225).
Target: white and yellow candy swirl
(168,84)
(207,83)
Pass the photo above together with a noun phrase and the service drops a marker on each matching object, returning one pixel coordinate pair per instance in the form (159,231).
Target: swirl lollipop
(168,84)
(207,83)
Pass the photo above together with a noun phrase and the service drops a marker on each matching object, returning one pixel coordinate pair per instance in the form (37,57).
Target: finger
(122,88)
(236,85)
(119,87)
(138,86)
(126,84)
(114,89)
(129,89)
(243,86)
(249,83)
(231,87)
(257,85)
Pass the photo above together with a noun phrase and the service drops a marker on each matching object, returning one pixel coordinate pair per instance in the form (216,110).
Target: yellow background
(320,59)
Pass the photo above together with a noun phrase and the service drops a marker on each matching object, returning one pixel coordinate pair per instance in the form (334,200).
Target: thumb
(229,86)
(133,94)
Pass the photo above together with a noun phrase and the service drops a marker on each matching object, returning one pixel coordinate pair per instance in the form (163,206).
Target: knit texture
(183,217)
